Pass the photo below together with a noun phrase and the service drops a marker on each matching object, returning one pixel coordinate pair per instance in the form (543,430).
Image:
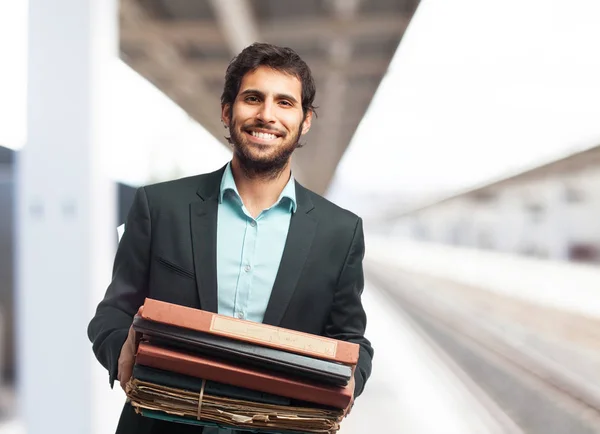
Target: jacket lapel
(203,220)
(297,247)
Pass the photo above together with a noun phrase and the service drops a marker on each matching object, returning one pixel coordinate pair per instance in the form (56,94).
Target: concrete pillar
(65,221)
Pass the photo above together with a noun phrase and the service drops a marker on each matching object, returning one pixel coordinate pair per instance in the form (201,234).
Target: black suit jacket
(168,252)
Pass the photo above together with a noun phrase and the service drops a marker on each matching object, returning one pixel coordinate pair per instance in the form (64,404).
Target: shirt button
(240,315)
(247,268)
(253,223)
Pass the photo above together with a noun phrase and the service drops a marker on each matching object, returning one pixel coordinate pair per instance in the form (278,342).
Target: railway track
(524,390)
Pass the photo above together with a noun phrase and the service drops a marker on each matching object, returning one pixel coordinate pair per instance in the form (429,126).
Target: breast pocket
(172,283)
(174,268)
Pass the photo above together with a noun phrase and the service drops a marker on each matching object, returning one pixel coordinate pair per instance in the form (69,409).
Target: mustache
(264,127)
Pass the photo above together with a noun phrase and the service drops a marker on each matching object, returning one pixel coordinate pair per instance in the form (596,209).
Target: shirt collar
(288,194)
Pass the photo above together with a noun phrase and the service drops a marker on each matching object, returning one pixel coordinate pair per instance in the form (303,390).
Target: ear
(225,114)
(307,122)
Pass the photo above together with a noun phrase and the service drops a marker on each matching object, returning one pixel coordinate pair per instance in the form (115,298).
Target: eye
(251,98)
(286,103)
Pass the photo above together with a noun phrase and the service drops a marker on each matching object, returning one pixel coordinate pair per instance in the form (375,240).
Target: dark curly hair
(282,59)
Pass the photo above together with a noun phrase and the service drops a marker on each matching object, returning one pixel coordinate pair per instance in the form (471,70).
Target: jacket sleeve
(347,320)
(127,291)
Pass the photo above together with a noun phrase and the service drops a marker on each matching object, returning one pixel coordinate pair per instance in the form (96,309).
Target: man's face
(267,120)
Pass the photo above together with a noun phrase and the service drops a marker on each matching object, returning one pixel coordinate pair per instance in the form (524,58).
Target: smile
(266,136)
(263,137)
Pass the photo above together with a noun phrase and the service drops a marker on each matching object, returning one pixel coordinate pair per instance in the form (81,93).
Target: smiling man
(246,240)
(266,120)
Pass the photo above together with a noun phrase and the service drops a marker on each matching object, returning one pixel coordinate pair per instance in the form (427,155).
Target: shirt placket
(247,269)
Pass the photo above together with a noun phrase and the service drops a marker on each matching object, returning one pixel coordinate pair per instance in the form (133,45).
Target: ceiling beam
(326,155)
(363,66)
(177,80)
(237,23)
(285,31)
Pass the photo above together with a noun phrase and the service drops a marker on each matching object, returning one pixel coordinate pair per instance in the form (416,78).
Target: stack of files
(201,368)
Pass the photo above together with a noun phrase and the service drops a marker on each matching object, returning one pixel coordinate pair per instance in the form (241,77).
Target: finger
(125,379)
(132,340)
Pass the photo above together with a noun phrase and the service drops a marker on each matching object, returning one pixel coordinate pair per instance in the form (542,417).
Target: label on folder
(280,337)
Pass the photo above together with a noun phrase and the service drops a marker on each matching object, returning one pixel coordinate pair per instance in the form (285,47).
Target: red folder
(249,331)
(212,370)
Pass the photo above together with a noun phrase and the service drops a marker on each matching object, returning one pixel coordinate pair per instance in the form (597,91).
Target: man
(246,240)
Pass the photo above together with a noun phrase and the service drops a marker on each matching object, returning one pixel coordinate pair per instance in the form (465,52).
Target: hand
(127,356)
(351,384)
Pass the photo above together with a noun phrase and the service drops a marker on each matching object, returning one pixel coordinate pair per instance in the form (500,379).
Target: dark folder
(245,353)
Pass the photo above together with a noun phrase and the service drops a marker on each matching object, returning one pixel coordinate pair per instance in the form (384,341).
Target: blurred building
(7,256)
(550,211)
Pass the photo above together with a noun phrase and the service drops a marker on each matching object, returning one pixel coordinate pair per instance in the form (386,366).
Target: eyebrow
(262,95)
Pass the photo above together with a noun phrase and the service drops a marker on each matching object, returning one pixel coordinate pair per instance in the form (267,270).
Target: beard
(258,160)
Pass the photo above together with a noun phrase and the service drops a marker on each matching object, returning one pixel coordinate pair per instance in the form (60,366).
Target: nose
(265,113)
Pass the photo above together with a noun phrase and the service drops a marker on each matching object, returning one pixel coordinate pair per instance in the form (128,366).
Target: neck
(259,192)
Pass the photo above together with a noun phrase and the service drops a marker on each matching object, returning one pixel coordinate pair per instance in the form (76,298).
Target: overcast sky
(477,89)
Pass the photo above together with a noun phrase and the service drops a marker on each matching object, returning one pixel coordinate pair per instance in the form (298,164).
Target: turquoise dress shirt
(249,250)
(248,253)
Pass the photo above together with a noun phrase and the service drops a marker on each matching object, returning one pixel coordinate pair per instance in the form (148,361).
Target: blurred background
(466,133)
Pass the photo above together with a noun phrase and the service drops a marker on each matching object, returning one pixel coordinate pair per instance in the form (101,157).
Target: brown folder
(212,370)
(249,331)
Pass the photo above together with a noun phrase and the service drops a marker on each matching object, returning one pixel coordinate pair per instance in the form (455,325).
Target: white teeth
(265,136)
